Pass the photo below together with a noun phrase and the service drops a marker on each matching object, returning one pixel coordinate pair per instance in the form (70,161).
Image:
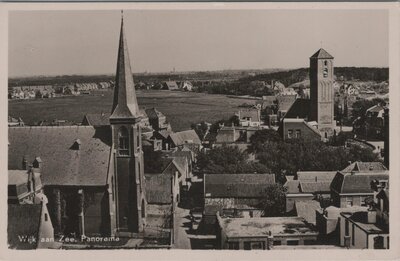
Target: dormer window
(123,142)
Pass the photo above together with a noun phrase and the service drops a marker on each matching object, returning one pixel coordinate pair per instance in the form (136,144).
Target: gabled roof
(307,210)
(163,133)
(359,182)
(63,164)
(158,189)
(322,54)
(316,176)
(23,219)
(299,109)
(97,119)
(172,85)
(359,166)
(153,113)
(315,187)
(285,101)
(182,137)
(237,185)
(125,103)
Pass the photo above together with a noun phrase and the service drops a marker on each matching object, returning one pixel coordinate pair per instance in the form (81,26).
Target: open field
(181,108)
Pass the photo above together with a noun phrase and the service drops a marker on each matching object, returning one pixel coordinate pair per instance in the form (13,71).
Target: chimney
(24,163)
(37,163)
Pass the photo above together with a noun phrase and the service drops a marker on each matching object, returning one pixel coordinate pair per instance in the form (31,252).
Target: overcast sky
(86,42)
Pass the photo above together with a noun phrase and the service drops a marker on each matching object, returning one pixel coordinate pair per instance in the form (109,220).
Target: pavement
(181,229)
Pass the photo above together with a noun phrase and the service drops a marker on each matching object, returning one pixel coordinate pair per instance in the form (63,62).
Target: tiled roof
(314,187)
(23,220)
(285,101)
(158,189)
(292,186)
(171,85)
(237,185)
(322,54)
(316,176)
(182,137)
(357,182)
(359,166)
(98,119)
(307,210)
(299,109)
(62,163)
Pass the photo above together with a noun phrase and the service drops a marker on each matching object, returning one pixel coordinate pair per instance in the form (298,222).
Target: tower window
(325,63)
(325,72)
(123,142)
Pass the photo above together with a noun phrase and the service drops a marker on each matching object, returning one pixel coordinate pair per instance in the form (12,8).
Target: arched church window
(123,142)
(325,72)
(326,63)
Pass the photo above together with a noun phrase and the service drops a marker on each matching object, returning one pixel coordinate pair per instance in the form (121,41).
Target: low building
(178,139)
(353,188)
(249,117)
(298,129)
(157,120)
(170,85)
(30,227)
(263,232)
(186,86)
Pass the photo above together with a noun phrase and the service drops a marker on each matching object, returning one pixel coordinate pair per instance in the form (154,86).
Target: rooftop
(322,54)
(260,227)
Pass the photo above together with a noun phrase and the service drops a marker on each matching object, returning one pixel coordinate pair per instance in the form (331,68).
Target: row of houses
(347,208)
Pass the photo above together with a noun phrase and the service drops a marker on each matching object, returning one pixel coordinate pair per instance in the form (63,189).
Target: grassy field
(181,108)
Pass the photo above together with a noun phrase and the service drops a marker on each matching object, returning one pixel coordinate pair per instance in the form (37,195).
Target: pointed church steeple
(125,103)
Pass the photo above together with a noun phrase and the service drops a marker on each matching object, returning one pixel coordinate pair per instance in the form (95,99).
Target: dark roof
(237,185)
(285,101)
(124,102)
(23,220)
(153,113)
(307,210)
(299,109)
(163,133)
(316,176)
(182,137)
(315,187)
(359,166)
(158,189)
(97,119)
(322,54)
(357,182)
(63,164)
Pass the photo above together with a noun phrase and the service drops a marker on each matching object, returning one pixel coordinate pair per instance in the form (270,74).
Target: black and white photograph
(214,128)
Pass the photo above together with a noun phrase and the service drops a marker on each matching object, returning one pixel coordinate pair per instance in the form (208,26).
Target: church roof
(63,163)
(125,103)
(322,54)
(299,109)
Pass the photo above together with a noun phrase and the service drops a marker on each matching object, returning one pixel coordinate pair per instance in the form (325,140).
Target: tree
(263,137)
(273,201)
(226,159)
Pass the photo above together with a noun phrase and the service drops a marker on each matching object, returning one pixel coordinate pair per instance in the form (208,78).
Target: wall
(305,132)
(46,231)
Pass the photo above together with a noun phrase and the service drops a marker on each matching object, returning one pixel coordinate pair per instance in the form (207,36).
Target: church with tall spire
(93,176)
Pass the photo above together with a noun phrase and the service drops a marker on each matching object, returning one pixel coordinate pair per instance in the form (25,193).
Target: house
(238,194)
(13,122)
(353,188)
(178,139)
(298,129)
(307,210)
(157,120)
(186,86)
(235,134)
(374,121)
(170,85)
(308,186)
(249,117)
(163,136)
(29,227)
(24,185)
(284,102)
(93,176)
(260,233)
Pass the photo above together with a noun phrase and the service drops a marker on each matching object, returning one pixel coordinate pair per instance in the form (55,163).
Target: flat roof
(260,227)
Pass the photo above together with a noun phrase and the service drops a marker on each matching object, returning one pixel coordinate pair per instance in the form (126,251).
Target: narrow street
(181,226)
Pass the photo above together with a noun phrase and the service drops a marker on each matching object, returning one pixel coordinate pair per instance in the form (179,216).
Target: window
(325,72)
(353,235)
(247,246)
(257,245)
(290,134)
(298,134)
(277,242)
(346,228)
(233,245)
(46,218)
(292,242)
(123,142)
(326,63)
(349,202)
